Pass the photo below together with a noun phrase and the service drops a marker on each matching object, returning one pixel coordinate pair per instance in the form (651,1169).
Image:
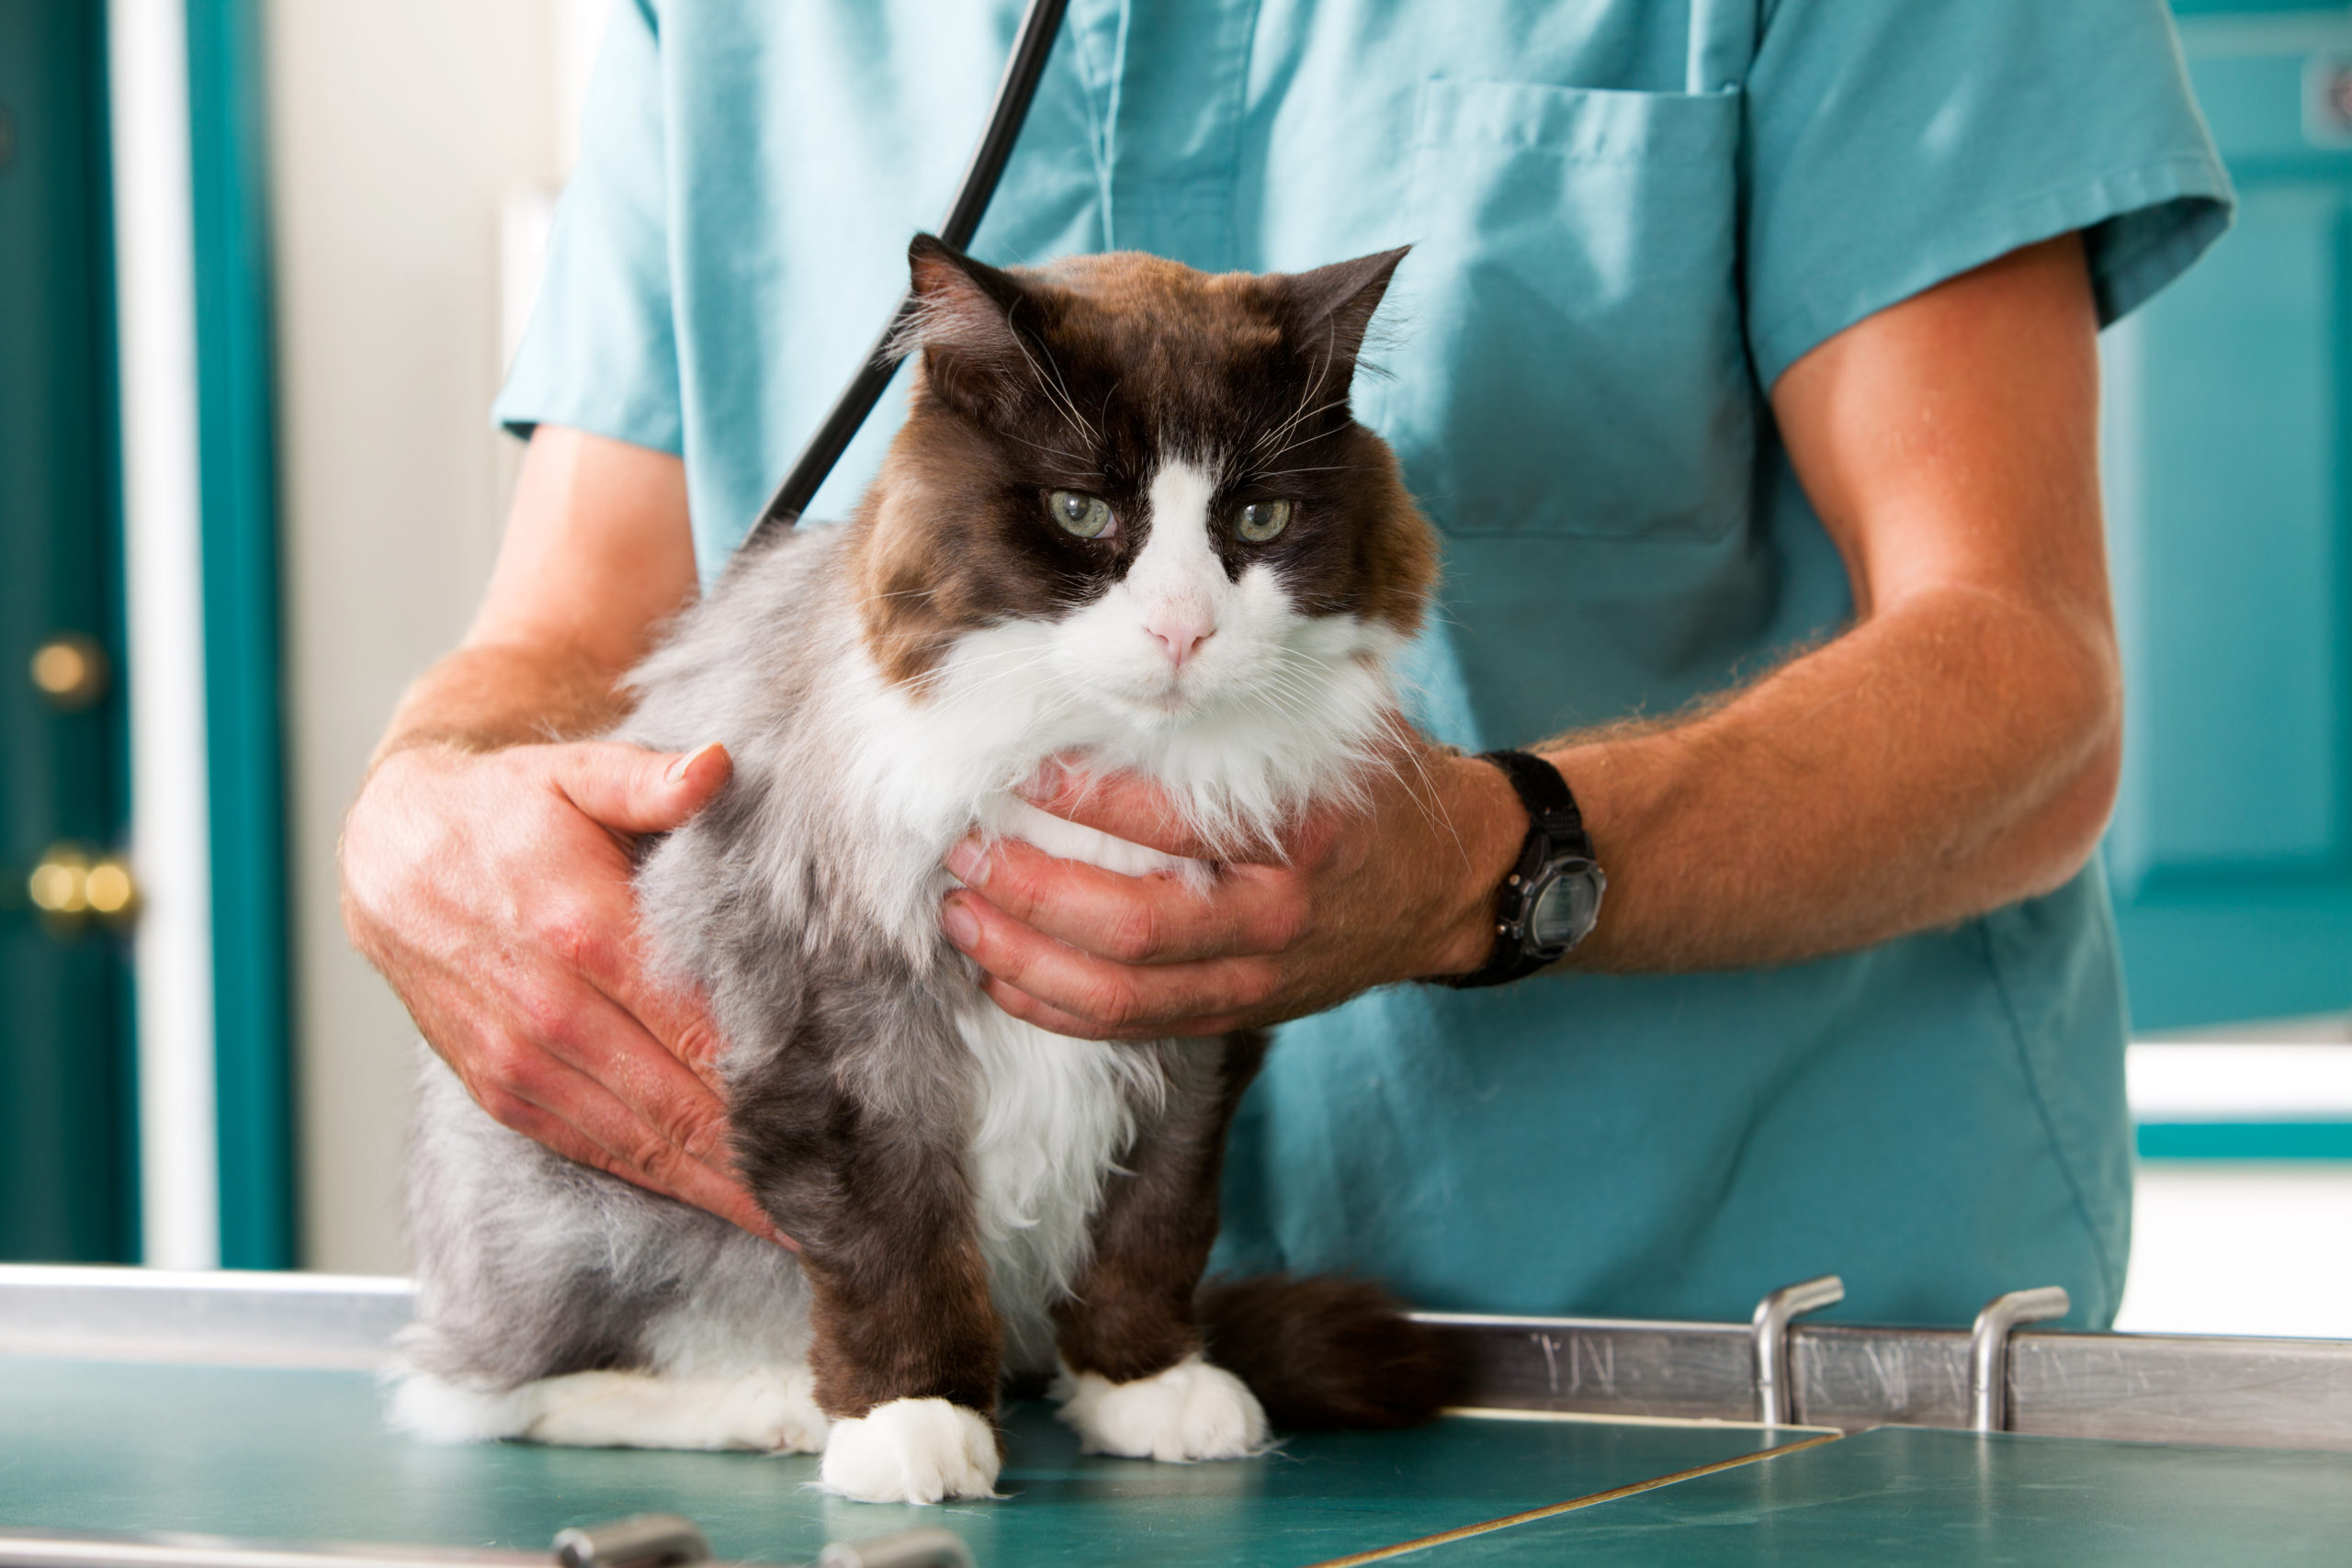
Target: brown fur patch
(910,1333)
(1129,1313)
(1087,374)
(876,1196)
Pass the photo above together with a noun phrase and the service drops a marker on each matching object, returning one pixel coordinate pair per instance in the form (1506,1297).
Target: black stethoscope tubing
(1013,94)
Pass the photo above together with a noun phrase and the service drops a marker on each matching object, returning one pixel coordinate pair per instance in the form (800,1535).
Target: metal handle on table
(1776,1394)
(1988,1350)
(643,1541)
(908,1549)
(668,1541)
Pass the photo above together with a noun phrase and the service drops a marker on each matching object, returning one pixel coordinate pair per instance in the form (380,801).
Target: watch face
(1565,906)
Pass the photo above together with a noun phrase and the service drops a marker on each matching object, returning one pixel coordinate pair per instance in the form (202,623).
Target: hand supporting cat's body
(1129,519)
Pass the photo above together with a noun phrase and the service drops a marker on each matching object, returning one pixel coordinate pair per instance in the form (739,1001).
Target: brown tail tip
(1320,1351)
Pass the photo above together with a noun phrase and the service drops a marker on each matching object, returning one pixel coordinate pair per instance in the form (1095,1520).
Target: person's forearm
(1949,755)
(598,555)
(485,696)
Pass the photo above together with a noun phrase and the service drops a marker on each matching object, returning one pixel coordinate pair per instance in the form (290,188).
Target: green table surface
(304,1456)
(1906,1495)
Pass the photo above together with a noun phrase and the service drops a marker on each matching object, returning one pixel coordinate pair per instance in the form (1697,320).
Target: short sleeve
(1893,144)
(600,352)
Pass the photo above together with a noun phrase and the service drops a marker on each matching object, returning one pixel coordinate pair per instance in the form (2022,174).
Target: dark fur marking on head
(1089,375)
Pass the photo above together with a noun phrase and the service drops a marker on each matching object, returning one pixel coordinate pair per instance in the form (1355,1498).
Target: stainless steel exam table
(234,1421)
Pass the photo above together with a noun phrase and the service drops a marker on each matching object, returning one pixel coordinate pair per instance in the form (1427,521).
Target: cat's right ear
(965,323)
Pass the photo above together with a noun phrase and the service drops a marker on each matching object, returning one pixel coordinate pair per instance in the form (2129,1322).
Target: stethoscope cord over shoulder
(1013,94)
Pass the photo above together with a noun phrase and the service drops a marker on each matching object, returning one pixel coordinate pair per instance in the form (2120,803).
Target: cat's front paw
(912,1451)
(1189,1412)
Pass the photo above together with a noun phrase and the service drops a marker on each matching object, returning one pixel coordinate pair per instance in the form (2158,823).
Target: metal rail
(2288,1394)
(2143,1387)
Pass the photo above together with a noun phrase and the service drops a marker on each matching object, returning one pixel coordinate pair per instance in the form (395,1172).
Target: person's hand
(493,890)
(1399,888)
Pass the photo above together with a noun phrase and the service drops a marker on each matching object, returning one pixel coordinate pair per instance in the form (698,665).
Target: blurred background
(261,264)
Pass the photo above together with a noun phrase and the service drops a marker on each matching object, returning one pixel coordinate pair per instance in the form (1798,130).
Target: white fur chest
(1053,1116)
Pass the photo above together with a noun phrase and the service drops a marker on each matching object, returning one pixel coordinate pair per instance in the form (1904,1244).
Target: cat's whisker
(1068,456)
(1339,402)
(1057,391)
(989,684)
(1304,398)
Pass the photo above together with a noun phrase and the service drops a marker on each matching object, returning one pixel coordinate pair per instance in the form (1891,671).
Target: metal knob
(642,1540)
(69,886)
(71,670)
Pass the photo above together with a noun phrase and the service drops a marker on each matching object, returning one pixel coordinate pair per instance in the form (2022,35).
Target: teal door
(67,1139)
(2229,428)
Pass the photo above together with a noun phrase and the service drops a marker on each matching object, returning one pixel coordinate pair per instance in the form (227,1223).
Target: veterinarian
(1745,361)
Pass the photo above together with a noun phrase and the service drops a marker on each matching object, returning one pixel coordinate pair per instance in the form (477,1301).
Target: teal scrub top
(1629,216)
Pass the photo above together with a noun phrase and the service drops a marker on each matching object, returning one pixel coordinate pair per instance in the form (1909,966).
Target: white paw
(1190,1411)
(912,1451)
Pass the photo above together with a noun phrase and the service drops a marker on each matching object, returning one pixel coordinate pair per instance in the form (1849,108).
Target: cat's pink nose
(1179,633)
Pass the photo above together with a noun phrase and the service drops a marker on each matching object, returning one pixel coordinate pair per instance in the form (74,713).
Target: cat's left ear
(965,327)
(1330,308)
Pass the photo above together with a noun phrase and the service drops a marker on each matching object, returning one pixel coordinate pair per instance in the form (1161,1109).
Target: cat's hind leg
(1134,1380)
(770,1410)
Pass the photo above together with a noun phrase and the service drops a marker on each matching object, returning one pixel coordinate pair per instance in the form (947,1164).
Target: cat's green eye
(1261,520)
(1084,515)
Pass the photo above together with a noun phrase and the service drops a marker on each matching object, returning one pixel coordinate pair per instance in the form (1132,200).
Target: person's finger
(1115,1000)
(582,1119)
(588,1031)
(591,929)
(1020,1004)
(676,1017)
(1129,807)
(631,790)
(1133,919)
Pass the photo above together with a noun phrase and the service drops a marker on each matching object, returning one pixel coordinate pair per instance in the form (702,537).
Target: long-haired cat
(1131,519)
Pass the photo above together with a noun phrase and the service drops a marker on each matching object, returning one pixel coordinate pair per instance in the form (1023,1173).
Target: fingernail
(970,863)
(679,769)
(962,928)
(783,1240)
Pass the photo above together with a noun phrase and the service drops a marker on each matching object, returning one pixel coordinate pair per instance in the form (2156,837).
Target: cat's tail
(1320,1351)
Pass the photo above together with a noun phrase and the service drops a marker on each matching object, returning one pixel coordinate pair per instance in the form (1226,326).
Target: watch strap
(1550,805)
(1555,828)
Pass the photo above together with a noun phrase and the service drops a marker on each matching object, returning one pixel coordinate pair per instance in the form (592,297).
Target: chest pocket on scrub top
(1571,360)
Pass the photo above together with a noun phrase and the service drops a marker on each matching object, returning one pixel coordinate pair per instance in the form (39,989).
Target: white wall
(399,132)
(2219,1247)
(2259,1247)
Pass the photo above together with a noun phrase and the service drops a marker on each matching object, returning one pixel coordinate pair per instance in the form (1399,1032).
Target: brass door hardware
(71,887)
(71,670)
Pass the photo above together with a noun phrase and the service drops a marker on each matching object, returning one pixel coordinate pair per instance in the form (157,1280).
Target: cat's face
(1139,487)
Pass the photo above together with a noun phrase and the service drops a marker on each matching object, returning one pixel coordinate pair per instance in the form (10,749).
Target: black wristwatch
(1551,896)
